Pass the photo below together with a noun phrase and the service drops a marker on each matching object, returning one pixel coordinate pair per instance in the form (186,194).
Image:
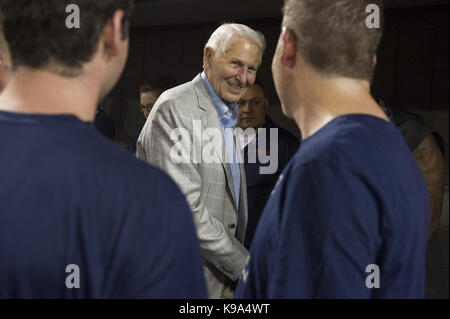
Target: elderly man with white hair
(189,135)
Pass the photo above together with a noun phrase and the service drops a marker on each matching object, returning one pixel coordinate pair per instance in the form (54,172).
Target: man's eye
(241,103)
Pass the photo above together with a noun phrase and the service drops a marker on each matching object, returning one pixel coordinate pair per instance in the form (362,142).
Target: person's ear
(2,61)
(207,57)
(4,66)
(112,35)
(289,48)
(374,61)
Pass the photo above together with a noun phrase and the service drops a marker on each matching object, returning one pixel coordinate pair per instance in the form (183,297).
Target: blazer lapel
(210,119)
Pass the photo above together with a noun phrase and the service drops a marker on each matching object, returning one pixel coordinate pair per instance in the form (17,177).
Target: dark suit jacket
(259,186)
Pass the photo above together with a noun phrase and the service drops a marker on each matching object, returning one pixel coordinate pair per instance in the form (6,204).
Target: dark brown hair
(38,37)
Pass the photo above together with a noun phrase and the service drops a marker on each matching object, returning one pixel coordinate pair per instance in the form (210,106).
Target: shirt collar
(219,104)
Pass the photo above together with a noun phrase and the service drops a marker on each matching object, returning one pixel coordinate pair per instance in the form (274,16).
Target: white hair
(221,38)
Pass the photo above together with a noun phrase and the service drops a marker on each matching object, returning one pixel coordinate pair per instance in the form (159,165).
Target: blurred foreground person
(79,216)
(349,217)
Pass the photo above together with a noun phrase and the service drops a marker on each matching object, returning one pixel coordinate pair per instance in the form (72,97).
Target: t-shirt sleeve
(328,234)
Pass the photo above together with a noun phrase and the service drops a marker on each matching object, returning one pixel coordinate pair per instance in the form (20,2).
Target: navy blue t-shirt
(69,196)
(348,218)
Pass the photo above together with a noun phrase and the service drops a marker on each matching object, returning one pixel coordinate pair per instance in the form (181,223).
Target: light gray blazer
(208,187)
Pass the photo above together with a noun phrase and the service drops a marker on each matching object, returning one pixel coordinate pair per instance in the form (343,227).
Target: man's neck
(331,99)
(40,92)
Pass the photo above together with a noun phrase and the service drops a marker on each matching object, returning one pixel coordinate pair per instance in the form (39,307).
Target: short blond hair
(332,36)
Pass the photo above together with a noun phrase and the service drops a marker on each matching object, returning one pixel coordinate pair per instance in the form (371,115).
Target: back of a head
(39,36)
(84,208)
(333,36)
(222,38)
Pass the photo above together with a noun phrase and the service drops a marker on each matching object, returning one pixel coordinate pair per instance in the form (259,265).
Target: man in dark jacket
(258,128)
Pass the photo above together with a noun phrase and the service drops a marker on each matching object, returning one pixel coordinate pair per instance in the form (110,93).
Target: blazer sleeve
(219,247)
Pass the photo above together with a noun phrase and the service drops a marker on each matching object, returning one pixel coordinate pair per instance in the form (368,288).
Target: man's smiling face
(234,70)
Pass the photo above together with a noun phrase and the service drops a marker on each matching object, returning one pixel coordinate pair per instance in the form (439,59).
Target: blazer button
(232,226)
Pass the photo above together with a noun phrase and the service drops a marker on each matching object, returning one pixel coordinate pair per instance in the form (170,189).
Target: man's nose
(247,108)
(242,76)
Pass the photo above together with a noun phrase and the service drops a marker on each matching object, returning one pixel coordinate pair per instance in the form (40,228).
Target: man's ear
(374,61)
(207,57)
(112,35)
(4,64)
(289,48)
